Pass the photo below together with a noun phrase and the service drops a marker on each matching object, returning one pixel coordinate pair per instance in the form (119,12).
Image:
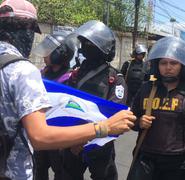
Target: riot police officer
(162,151)
(57,53)
(134,71)
(98,77)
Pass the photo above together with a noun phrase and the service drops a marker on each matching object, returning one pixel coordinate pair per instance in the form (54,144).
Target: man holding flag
(96,77)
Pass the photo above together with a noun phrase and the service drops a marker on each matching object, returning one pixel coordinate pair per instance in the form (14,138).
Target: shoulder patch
(119,91)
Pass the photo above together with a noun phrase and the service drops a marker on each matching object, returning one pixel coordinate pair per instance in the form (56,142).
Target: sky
(165,9)
(169,15)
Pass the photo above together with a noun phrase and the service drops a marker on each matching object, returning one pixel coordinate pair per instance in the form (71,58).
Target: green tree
(65,12)
(76,12)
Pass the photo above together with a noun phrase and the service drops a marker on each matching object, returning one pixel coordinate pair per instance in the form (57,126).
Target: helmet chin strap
(169,79)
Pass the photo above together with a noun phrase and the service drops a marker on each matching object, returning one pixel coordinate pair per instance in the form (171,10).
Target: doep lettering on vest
(162,104)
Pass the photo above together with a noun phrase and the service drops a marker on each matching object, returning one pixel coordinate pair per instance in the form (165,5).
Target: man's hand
(120,122)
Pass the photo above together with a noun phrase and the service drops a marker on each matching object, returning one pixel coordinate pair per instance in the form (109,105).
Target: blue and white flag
(73,107)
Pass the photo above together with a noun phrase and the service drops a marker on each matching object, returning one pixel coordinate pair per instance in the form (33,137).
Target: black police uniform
(162,154)
(104,84)
(134,73)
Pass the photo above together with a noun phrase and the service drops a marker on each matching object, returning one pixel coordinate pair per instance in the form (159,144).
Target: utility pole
(106,12)
(173,20)
(137,5)
(150,17)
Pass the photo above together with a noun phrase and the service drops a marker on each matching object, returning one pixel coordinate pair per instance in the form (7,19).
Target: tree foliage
(120,13)
(65,12)
(75,12)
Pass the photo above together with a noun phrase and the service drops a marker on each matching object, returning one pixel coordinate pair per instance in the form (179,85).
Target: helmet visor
(46,47)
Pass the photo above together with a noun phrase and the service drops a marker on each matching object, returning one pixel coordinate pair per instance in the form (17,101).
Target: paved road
(124,146)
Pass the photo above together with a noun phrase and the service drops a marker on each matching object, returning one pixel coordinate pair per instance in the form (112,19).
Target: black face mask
(93,59)
(21,39)
(91,52)
(171,79)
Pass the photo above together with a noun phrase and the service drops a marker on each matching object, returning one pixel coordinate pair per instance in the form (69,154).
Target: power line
(176,7)
(177,16)
(164,10)
(180,24)
(167,10)
(167,17)
(161,22)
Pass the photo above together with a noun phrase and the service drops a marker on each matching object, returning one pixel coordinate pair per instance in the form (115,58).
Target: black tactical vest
(98,85)
(135,75)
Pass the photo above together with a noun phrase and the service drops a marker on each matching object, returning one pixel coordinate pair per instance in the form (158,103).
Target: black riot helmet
(100,36)
(167,47)
(57,47)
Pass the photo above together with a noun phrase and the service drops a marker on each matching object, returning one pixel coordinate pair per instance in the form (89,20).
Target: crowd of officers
(96,76)
(162,152)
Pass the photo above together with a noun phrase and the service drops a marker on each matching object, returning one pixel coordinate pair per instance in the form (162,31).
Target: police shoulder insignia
(119,91)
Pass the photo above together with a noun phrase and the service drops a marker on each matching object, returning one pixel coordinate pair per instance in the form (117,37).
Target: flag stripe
(111,107)
(65,121)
